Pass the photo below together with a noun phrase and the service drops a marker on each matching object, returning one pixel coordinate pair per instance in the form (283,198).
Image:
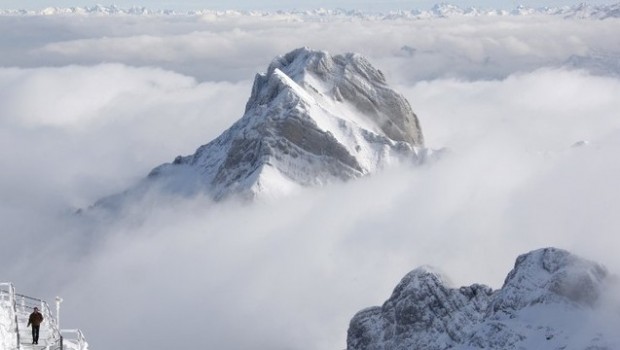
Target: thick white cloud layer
(89,105)
(233,47)
(71,120)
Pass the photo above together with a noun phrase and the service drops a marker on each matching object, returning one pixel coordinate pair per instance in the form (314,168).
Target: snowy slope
(550,300)
(311,119)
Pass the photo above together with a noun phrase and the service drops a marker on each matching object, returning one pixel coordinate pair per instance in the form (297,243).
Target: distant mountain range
(437,11)
(551,299)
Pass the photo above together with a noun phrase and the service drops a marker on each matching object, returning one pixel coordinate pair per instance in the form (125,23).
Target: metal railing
(26,304)
(76,342)
(20,306)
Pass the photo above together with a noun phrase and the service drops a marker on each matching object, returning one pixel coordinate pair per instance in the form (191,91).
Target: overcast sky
(293,4)
(89,105)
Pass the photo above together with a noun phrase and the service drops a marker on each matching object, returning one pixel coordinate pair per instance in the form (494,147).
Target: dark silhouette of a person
(35,320)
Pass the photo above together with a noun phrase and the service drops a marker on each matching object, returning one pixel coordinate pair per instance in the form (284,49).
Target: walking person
(35,320)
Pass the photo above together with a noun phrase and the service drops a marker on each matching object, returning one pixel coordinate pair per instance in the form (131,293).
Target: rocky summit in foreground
(311,119)
(550,300)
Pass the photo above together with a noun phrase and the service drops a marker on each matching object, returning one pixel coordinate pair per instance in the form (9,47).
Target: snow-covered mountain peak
(347,83)
(447,10)
(541,305)
(551,275)
(312,118)
(422,278)
(424,291)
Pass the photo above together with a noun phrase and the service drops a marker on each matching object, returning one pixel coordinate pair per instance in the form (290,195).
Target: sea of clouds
(89,104)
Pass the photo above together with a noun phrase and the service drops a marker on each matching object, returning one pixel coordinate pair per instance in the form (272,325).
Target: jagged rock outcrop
(420,307)
(311,119)
(548,292)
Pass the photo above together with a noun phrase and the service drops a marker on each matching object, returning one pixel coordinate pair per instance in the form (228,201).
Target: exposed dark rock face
(352,79)
(423,313)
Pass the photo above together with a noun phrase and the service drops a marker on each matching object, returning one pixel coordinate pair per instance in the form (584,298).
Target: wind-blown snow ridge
(543,304)
(438,11)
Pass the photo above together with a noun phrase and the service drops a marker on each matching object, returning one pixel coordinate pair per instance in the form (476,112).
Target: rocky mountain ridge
(442,10)
(542,305)
(311,119)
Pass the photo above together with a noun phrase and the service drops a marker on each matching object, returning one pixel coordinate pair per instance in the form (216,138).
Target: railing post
(58,301)
(14,304)
(61,344)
